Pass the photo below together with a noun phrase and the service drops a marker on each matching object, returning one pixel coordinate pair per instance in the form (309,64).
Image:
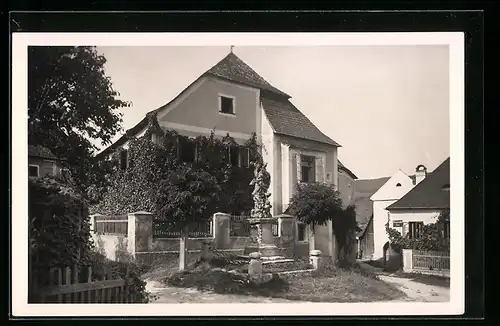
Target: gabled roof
(41,152)
(286,119)
(343,167)
(234,69)
(395,188)
(429,193)
(363,190)
(283,116)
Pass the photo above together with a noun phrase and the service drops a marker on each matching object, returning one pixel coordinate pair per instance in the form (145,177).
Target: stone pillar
(140,232)
(264,242)
(407,260)
(287,236)
(205,253)
(255,267)
(92,222)
(221,230)
(315,259)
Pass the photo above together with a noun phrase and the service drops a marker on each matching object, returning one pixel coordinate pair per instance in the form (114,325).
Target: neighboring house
(232,98)
(346,184)
(41,162)
(423,204)
(395,188)
(363,190)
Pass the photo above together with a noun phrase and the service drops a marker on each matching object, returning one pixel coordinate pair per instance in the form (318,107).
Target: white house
(231,98)
(395,188)
(424,203)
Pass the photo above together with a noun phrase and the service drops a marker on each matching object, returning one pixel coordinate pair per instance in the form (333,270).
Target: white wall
(426,216)
(380,218)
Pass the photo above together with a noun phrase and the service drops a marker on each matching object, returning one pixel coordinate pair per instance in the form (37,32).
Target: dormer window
(398,185)
(226,104)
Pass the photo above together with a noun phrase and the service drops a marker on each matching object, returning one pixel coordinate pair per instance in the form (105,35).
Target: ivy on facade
(433,237)
(136,187)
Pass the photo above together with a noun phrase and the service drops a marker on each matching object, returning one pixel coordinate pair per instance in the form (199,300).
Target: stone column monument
(261,221)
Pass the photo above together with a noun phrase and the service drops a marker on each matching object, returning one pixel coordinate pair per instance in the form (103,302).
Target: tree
(187,196)
(316,204)
(71,103)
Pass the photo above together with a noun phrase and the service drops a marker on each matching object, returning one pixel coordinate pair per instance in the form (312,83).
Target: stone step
(277,261)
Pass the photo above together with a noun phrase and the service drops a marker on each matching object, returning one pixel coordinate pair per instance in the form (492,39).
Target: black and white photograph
(275,172)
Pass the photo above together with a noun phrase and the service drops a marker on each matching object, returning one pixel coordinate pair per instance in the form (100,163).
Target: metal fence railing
(162,229)
(431,260)
(112,225)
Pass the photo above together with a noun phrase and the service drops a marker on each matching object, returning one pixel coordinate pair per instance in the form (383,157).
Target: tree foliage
(431,239)
(71,103)
(316,204)
(59,225)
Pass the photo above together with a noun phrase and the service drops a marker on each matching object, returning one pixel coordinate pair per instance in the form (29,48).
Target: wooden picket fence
(431,260)
(66,286)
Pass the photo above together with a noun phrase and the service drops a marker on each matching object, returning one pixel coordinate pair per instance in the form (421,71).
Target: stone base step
(277,261)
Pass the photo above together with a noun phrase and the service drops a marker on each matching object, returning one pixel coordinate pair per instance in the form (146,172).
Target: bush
(129,271)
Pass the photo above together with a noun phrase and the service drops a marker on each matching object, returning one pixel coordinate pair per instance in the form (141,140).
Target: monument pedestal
(261,233)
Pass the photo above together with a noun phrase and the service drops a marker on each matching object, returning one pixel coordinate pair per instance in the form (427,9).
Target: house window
(226,104)
(33,170)
(239,156)
(415,229)
(124,159)
(234,155)
(307,168)
(301,231)
(398,185)
(244,157)
(187,150)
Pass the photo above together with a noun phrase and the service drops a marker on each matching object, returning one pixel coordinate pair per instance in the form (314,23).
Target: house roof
(41,151)
(363,190)
(343,167)
(286,119)
(364,227)
(429,193)
(283,116)
(234,69)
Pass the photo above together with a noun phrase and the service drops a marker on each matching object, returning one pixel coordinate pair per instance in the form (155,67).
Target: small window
(244,157)
(234,155)
(398,185)
(307,168)
(124,159)
(415,230)
(446,229)
(187,150)
(226,105)
(33,171)
(397,224)
(301,232)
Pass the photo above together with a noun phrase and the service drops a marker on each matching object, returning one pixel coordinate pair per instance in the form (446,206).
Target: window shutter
(299,170)
(319,177)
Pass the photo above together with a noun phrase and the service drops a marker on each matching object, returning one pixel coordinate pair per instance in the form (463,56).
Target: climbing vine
(431,239)
(150,165)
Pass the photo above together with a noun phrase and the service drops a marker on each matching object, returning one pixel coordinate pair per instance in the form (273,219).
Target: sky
(387,106)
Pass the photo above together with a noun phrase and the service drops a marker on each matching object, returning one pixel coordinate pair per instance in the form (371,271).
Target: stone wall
(139,240)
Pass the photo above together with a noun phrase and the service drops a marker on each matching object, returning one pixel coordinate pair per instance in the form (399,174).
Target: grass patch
(329,285)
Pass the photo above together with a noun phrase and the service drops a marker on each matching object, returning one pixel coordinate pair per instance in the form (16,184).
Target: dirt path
(181,295)
(415,290)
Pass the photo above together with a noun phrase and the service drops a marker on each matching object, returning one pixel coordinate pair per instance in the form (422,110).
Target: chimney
(420,174)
